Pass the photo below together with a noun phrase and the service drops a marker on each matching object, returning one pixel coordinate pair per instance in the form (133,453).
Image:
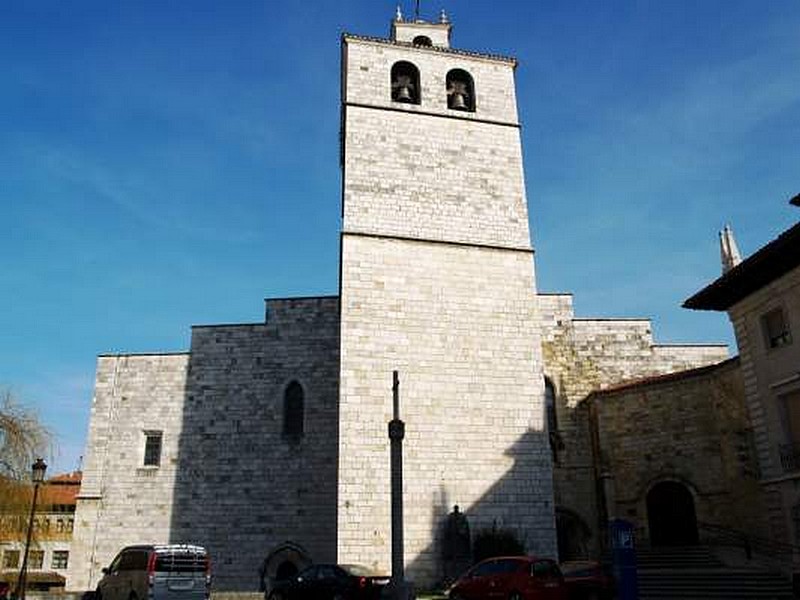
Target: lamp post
(38,469)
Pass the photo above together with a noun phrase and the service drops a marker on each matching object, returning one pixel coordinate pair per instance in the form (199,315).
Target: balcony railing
(790,457)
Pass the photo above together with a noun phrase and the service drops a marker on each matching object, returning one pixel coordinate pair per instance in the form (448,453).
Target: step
(696,573)
(724,584)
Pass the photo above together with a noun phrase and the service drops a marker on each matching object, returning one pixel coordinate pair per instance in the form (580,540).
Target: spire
(728,249)
(398,14)
(443,19)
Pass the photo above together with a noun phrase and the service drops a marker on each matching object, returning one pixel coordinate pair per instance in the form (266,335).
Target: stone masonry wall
(368,62)
(584,355)
(121,502)
(693,429)
(245,488)
(228,479)
(458,324)
(441,175)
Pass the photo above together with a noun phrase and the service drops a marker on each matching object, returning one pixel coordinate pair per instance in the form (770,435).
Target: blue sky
(164,164)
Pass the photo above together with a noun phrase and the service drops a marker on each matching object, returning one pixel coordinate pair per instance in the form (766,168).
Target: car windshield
(360,571)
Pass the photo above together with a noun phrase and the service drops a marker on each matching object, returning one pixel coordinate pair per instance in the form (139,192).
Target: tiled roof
(74,477)
(387,42)
(58,490)
(61,489)
(772,261)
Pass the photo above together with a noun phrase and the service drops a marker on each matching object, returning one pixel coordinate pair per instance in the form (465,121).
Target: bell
(458,101)
(404,94)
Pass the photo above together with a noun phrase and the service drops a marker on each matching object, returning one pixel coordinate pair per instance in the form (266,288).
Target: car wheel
(132,596)
(338,597)
(593,595)
(515,596)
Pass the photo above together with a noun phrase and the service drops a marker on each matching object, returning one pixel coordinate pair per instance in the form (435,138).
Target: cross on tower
(416,15)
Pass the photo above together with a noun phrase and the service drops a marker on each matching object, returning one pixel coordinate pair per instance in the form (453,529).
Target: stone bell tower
(437,282)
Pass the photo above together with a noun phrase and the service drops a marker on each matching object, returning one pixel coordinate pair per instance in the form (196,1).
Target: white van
(157,572)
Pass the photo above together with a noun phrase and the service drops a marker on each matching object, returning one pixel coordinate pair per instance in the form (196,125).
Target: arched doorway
(283,562)
(286,570)
(573,535)
(670,515)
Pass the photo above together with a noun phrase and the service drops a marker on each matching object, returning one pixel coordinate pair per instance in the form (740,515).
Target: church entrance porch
(671,516)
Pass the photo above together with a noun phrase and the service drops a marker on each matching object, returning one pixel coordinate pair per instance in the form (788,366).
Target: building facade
(267,442)
(675,456)
(51,539)
(581,357)
(761,295)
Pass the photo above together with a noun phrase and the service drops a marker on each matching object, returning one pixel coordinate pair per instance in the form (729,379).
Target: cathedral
(267,442)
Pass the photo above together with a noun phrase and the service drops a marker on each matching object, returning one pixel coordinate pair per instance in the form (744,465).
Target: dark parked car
(587,580)
(331,582)
(511,578)
(166,572)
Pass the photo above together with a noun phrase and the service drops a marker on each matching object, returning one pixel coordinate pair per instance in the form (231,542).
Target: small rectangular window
(60,559)
(11,559)
(152,448)
(776,329)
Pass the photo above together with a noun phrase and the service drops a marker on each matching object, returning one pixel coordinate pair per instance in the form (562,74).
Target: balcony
(790,457)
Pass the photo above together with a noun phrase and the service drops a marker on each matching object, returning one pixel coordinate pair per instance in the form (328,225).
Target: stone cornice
(512,62)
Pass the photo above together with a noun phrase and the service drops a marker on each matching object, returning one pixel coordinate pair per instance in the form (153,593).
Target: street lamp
(39,467)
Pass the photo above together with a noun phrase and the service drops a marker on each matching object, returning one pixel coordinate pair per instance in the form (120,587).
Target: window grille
(60,559)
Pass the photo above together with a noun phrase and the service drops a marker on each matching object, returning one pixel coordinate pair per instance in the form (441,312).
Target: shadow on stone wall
(242,486)
(533,523)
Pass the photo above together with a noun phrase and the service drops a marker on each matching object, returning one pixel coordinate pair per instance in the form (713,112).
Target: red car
(511,578)
(587,580)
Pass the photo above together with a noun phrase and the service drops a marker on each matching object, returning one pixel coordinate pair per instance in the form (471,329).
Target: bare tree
(23,438)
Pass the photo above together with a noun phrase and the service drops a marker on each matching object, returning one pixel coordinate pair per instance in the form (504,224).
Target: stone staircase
(695,573)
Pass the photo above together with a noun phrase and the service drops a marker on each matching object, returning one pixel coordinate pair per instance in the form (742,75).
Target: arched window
(556,443)
(293,409)
(460,91)
(550,405)
(422,40)
(405,83)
